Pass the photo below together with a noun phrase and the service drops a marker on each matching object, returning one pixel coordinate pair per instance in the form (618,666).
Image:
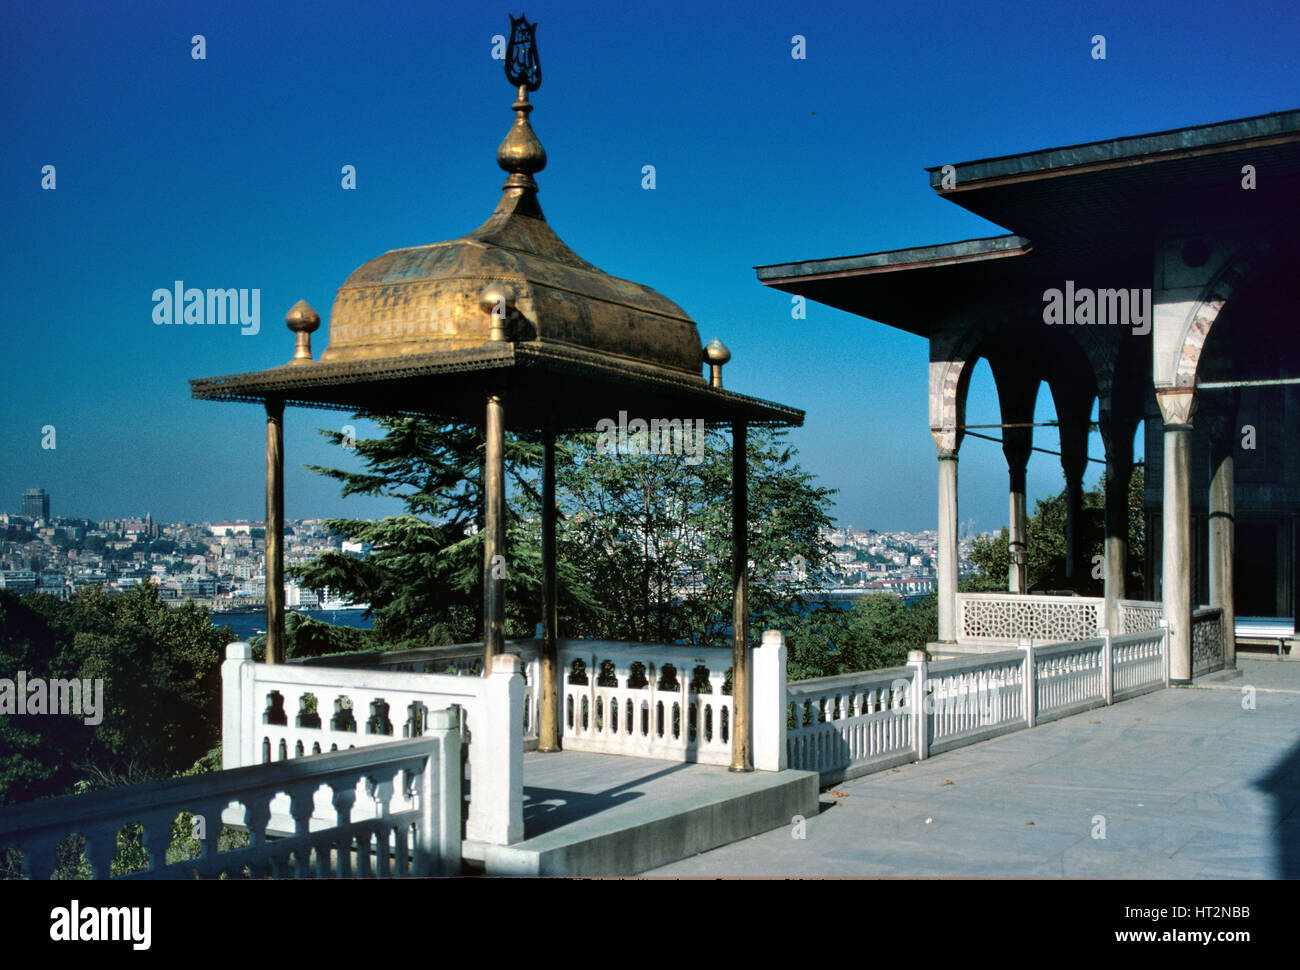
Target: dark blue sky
(225,172)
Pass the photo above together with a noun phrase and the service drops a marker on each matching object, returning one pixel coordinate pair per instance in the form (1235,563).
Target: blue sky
(225,172)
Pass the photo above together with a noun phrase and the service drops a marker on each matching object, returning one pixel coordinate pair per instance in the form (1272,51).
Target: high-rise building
(36,504)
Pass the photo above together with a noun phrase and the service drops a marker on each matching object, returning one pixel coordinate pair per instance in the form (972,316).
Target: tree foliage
(644,545)
(160,668)
(643,540)
(1045,538)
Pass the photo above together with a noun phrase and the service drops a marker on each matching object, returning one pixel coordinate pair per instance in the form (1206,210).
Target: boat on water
(342,606)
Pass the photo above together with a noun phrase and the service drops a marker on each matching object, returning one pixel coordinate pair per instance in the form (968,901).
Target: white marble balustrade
(1069,678)
(974,698)
(1012,617)
(368,834)
(1140,662)
(645,700)
(850,724)
(1140,616)
(266,718)
(858,723)
(463,659)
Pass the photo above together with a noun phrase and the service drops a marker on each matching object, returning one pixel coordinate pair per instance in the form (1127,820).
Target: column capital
(948,441)
(1177,404)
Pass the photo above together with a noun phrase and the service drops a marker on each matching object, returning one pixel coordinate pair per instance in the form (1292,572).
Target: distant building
(915,586)
(194,587)
(140,528)
(36,504)
(227,528)
(18,580)
(295,597)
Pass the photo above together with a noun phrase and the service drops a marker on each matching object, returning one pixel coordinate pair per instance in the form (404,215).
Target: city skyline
(249,195)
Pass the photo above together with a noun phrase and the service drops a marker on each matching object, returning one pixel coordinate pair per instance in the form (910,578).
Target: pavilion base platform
(609,815)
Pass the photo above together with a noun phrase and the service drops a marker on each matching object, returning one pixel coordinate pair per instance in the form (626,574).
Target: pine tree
(643,540)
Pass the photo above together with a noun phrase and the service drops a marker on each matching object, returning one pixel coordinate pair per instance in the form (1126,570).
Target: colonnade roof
(1090,213)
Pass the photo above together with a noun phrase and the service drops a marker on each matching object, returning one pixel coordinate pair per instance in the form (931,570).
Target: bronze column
(494,531)
(742,757)
(274,530)
(548,721)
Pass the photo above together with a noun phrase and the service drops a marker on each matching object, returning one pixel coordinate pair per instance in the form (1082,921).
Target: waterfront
(248,625)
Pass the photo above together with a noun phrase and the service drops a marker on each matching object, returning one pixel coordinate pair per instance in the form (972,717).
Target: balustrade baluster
(157,837)
(101,847)
(257,815)
(302,802)
(210,844)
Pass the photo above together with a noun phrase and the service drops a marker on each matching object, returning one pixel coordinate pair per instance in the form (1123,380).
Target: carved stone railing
(1140,662)
(278,712)
(1010,618)
(851,724)
(421,838)
(1207,640)
(854,724)
(1140,616)
(463,659)
(647,701)
(1069,678)
(972,700)
(669,702)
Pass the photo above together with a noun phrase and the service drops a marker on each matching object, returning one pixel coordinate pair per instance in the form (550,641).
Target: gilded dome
(513,272)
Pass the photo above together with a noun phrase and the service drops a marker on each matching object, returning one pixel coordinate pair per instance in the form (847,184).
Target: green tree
(423,578)
(159,668)
(1046,544)
(653,534)
(643,541)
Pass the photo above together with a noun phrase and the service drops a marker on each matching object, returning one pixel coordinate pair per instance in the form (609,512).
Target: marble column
(947,551)
(1223,524)
(1176,407)
(1117,437)
(1016,447)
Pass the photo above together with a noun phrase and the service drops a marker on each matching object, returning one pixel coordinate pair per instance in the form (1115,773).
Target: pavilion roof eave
(546,385)
(887,286)
(896,260)
(1160,146)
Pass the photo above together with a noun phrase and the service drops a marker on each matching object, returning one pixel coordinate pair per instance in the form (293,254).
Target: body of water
(248,625)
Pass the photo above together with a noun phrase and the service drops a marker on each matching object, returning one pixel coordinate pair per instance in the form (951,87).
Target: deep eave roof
(549,386)
(1087,210)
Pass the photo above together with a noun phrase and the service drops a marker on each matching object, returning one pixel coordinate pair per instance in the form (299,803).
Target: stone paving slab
(1191,784)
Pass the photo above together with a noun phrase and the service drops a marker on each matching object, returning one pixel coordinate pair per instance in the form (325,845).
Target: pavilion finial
(303,321)
(520,153)
(715,355)
(523,69)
